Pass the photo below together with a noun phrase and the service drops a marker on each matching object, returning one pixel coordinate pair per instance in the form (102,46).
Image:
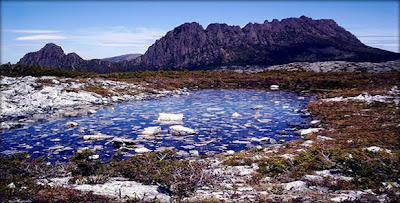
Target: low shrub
(85,165)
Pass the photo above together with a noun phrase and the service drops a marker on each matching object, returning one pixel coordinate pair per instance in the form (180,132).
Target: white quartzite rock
(295,185)
(308,131)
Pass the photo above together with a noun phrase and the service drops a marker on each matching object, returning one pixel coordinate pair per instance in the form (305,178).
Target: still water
(209,112)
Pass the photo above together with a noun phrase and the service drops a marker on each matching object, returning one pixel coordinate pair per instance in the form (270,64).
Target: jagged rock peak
(53,48)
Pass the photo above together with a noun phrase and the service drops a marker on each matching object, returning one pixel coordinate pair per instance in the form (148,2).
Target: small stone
(295,185)
(307,143)
(377,149)
(194,152)
(230,152)
(91,111)
(307,131)
(274,87)
(313,178)
(324,138)
(11,186)
(315,122)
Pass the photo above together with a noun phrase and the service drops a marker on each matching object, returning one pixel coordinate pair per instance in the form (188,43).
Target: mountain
(52,55)
(289,40)
(126,57)
(190,46)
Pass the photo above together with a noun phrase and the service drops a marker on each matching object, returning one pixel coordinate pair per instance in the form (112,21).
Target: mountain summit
(270,43)
(190,46)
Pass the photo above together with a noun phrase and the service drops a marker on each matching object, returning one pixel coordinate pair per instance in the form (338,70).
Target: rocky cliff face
(190,46)
(277,42)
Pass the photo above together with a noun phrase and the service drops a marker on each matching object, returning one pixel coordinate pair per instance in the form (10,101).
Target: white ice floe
(170,117)
(236,115)
(97,137)
(154,130)
(178,130)
(119,140)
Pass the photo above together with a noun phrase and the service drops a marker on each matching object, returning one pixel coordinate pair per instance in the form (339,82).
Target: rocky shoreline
(30,99)
(323,66)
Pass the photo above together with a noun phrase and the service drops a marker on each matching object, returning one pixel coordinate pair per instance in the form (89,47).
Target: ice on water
(208,112)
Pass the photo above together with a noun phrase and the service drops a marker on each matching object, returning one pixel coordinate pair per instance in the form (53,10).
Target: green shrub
(85,165)
(274,166)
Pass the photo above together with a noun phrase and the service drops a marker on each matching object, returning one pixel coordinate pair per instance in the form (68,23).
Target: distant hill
(126,57)
(190,46)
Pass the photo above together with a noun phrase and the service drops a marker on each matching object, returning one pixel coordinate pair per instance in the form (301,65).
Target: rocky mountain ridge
(190,46)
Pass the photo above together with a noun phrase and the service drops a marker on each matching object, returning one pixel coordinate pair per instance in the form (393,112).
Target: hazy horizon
(107,29)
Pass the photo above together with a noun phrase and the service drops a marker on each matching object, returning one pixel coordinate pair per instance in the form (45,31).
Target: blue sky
(98,29)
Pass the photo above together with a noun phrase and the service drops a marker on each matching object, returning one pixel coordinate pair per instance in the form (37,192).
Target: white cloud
(40,37)
(117,36)
(33,31)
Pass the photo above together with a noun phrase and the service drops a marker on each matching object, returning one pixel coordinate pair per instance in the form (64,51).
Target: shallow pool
(209,112)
